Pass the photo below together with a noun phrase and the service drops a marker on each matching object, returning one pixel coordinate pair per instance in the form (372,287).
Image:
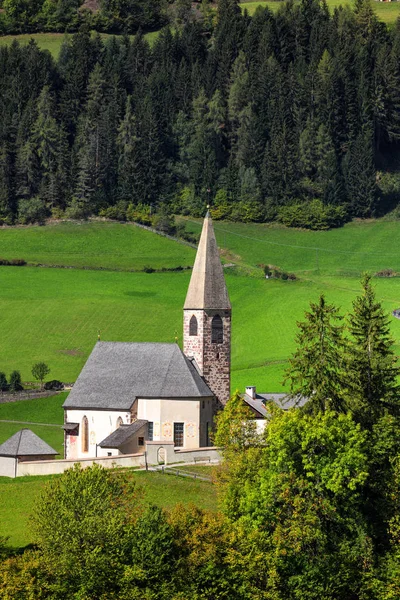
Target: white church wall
(53,467)
(163,413)
(101,424)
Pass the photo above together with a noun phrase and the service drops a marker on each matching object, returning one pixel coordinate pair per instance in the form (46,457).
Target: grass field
(55,314)
(95,244)
(385,11)
(17,497)
(52,41)
(43,410)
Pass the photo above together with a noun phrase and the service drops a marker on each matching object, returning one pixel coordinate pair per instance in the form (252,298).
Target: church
(130,394)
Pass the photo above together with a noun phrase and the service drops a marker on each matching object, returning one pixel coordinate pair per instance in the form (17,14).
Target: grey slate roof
(118,372)
(26,443)
(122,435)
(281,400)
(207,288)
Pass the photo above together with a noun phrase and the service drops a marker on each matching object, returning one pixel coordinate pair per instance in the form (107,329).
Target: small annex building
(21,447)
(131,393)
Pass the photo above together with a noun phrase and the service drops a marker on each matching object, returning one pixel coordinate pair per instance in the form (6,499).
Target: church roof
(26,443)
(118,372)
(207,287)
(123,434)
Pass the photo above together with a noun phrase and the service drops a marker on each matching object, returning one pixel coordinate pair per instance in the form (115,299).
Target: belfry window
(119,422)
(217,330)
(193,326)
(85,434)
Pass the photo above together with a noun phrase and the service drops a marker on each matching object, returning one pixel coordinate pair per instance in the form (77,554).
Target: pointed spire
(207,287)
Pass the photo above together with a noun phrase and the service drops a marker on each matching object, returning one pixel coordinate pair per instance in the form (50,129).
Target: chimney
(251,391)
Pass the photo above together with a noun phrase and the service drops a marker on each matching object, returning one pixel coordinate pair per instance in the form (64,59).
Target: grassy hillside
(385,11)
(17,497)
(98,245)
(55,314)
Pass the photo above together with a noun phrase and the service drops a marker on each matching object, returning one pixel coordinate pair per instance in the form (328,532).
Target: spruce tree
(316,368)
(371,366)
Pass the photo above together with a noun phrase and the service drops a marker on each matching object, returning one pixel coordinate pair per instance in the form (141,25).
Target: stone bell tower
(207,316)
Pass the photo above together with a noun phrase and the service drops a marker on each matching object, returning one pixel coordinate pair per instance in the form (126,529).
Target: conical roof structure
(26,443)
(207,287)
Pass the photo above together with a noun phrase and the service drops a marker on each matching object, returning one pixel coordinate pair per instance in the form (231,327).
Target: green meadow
(95,245)
(385,11)
(56,315)
(18,496)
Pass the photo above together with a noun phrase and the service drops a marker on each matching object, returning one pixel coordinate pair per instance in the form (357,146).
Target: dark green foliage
(21,16)
(15,384)
(40,371)
(3,382)
(316,370)
(283,116)
(312,215)
(372,370)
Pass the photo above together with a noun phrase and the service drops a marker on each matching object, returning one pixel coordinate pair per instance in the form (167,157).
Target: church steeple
(207,316)
(207,287)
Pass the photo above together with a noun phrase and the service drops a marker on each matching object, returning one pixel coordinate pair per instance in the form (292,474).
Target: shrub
(139,214)
(312,215)
(33,210)
(147,269)
(3,382)
(14,262)
(77,210)
(116,212)
(54,384)
(15,382)
(386,273)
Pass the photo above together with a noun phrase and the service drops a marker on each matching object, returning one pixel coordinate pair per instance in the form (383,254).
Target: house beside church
(129,394)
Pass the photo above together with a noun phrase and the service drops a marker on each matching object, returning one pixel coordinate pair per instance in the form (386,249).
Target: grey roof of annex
(26,443)
(118,372)
(123,434)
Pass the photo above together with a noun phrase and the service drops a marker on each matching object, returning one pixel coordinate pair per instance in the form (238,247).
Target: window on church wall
(119,422)
(217,330)
(85,434)
(193,326)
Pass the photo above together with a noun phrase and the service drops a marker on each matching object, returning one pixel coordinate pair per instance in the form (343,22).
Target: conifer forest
(278,116)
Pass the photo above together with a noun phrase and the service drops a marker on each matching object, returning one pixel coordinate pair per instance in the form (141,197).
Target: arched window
(119,421)
(85,434)
(193,326)
(217,330)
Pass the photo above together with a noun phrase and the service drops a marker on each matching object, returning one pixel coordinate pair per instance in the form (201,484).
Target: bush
(32,211)
(386,273)
(77,210)
(148,269)
(139,214)
(54,384)
(312,215)
(15,382)
(14,262)
(116,212)
(3,382)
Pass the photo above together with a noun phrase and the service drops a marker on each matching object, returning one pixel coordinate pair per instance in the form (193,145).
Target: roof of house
(26,443)
(117,372)
(123,434)
(207,288)
(284,402)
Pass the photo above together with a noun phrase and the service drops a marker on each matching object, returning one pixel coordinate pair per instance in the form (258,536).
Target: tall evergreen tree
(371,370)
(316,368)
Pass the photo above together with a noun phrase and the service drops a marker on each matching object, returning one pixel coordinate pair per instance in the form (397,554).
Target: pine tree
(316,368)
(359,172)
(371,369)
(130,163)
